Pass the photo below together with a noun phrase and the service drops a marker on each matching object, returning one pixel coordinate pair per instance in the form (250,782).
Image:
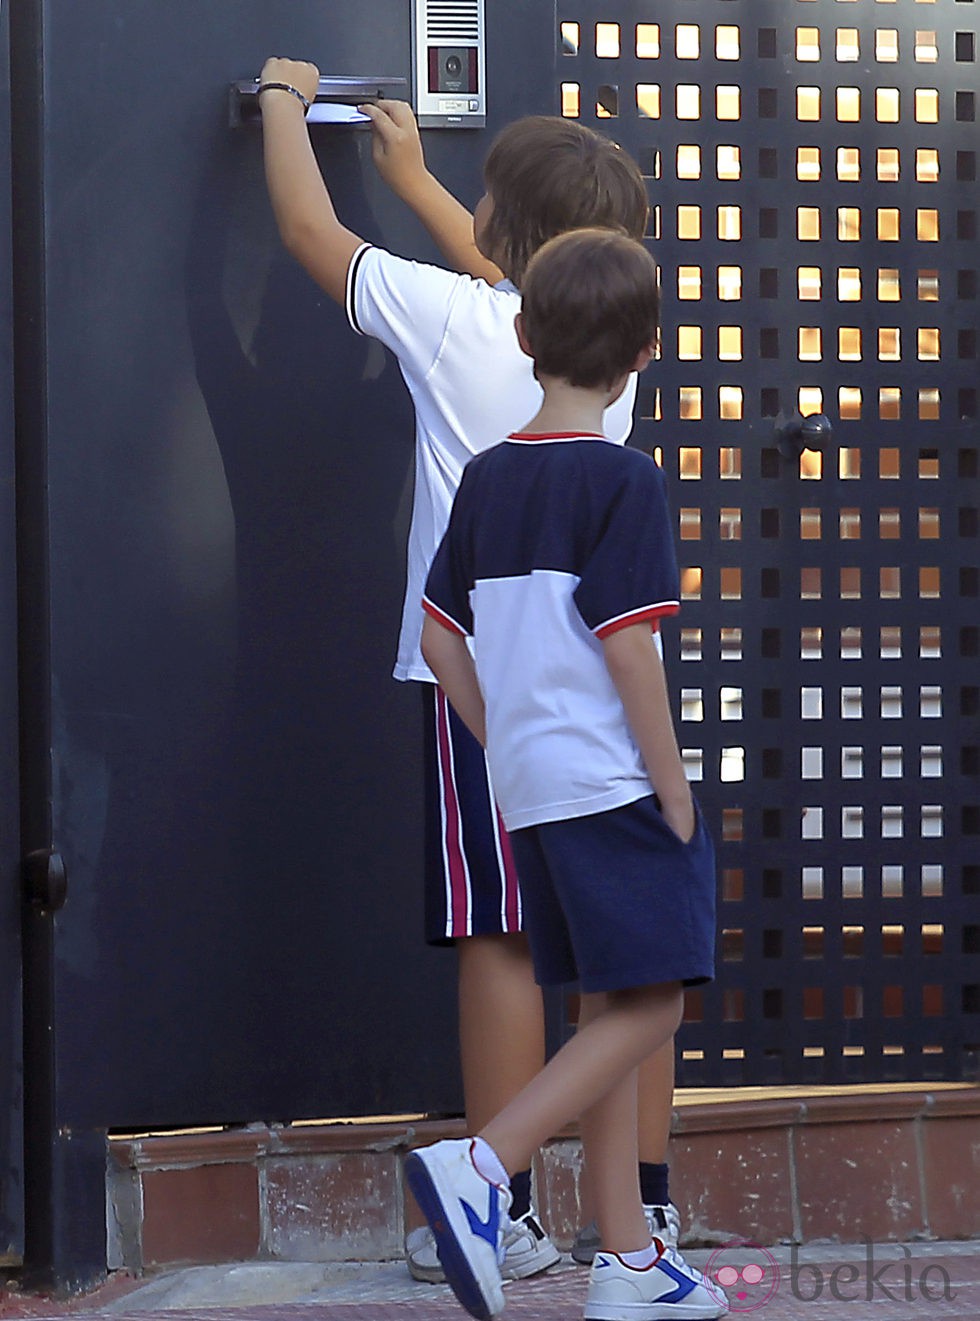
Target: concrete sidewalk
(880,1282)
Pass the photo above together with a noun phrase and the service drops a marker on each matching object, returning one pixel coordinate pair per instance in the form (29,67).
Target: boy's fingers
(381,123)
(373,112)
(390,116)
(400,112)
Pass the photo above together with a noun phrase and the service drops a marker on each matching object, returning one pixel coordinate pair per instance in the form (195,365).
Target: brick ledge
(787,1164)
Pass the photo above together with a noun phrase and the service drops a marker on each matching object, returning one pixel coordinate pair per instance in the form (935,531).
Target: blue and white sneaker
(527,1251)
(468,1216)
(668,1288)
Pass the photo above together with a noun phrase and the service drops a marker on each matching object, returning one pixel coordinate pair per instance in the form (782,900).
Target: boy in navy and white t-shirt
(453,335)
(556,567)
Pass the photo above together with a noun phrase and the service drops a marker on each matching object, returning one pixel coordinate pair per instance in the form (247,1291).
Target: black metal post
(11,1031)
(64,1171)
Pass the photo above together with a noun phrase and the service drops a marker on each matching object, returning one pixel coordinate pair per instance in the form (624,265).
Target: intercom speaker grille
(449,21)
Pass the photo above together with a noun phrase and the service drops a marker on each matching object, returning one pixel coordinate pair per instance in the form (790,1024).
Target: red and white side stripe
(511,912)
(456,869)
(459,894)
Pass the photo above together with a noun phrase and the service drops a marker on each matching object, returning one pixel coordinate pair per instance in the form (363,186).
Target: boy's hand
(305,77)
(396,147)
(680,817)
(637,670)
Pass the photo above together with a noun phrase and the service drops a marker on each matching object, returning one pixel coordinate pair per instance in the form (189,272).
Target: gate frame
(11,1023)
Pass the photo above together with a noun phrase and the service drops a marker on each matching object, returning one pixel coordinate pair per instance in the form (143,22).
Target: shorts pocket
(697,838)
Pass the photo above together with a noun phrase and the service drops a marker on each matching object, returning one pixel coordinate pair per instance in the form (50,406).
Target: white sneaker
(527,1248)
(664,1222)
(527,1251)
(468,1217)
(668,1288)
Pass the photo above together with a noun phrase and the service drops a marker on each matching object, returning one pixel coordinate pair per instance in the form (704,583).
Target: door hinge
(45,880)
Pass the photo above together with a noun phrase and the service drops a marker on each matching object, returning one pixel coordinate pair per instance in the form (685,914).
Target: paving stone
(832,1282)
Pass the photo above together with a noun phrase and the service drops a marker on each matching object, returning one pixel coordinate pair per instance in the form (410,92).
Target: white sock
(639,1261)
(487,1163)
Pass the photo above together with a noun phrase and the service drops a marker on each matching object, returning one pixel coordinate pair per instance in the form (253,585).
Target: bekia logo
(748,1273)
(893,1279)
(751,1277)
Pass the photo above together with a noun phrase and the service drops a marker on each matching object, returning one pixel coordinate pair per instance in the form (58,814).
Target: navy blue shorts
(616,899)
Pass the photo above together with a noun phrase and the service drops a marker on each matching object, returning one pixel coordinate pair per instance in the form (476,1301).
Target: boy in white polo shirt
(454,339)
(557,565)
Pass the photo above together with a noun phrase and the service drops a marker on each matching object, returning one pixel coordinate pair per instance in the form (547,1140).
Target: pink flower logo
(747,1272)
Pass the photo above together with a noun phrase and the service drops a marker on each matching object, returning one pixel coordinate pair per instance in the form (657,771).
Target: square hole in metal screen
(727,42)
(689,161)
(849,398)
(570,38)
(729,284)
(929,403)
(730,644)
(607,41)
(691,644)
(647,41)
(648,101)
(849,284)
(809,283)
(848,49)
(848,164)
(728,162)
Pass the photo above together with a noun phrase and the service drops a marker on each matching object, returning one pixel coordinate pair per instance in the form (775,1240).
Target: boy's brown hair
(591,305)
(548,175)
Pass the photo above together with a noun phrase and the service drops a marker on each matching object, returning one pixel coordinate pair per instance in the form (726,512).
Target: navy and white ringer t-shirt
(554,542)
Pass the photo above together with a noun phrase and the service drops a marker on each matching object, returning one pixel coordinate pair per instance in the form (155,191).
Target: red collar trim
(555,435)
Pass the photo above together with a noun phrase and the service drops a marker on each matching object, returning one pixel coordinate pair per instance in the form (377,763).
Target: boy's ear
(522,337)
(644,356)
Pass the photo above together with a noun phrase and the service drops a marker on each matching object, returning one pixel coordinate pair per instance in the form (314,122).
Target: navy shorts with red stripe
(470,876)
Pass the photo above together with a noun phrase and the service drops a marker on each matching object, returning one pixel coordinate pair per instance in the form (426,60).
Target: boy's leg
(633,1278)
(625,1029)
(473,902)
(502,1047)
(608,1131)
(656,1105)
(654,1114)
(461,1187)
(461,1190)
(501,1023)
(609,1143)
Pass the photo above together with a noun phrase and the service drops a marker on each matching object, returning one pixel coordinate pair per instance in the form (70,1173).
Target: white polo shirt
(470,382)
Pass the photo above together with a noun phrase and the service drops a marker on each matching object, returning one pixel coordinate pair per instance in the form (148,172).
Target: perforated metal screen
(812,170)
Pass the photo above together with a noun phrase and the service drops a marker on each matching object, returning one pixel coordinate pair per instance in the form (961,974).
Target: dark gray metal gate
(213,491)
(813,166)
(11,1075)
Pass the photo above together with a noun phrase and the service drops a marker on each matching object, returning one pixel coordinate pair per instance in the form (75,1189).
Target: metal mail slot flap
(336,99)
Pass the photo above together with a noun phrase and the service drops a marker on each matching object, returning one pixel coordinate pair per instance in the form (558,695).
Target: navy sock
(520,1189)
(654,1184)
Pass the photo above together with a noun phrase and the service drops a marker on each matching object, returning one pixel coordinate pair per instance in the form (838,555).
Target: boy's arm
(308,223)
(449,659)
(636,669)
(396,149)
